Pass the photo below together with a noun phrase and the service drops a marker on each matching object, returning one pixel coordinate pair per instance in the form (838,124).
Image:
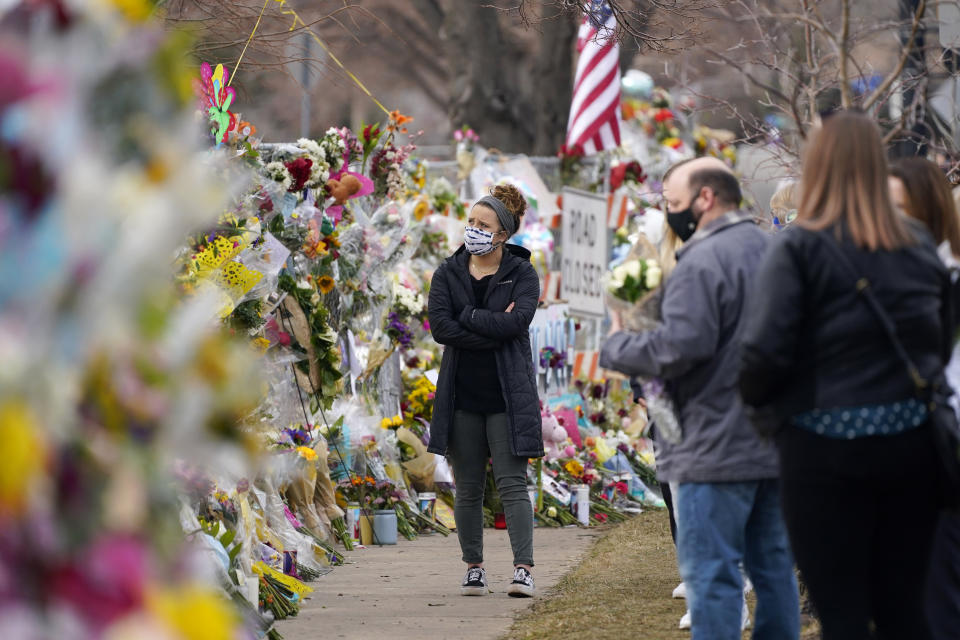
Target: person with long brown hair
(850,426)
(921,190)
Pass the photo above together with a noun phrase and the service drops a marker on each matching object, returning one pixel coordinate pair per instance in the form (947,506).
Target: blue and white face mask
(478,242)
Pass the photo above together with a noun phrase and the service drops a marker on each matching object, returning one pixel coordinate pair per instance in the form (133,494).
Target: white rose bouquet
(633,290)
(633,287)
(632,279)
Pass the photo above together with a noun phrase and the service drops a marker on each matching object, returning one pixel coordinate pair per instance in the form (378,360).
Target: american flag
(595,111)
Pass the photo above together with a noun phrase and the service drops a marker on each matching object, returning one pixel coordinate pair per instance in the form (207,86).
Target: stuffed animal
(340,190)
(554,436)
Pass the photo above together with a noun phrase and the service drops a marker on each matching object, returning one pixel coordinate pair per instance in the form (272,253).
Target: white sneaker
(474,583)
(681,591)
(522,585)
(744,618)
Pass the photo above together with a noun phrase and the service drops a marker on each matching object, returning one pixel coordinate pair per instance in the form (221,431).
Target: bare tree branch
(904,56)
(844,52)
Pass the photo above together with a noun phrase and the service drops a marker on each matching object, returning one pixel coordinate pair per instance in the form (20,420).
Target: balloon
(637,84)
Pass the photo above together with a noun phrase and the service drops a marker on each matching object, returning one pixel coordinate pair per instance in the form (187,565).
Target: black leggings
(861,530)
(943,583)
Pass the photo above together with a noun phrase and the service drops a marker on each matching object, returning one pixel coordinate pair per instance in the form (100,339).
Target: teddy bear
(554,435)
(340,190)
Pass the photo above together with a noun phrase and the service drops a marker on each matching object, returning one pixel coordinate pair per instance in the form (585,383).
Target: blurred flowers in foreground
(108,377)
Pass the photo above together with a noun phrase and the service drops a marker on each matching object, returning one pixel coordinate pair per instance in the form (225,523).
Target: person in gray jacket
(727,495)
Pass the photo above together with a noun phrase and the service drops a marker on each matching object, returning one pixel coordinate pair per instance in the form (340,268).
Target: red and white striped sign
(585,364)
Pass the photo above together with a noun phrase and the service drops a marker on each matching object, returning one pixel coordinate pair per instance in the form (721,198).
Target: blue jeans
(720,525)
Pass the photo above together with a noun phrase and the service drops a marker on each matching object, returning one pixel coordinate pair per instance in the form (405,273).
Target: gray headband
(507,220)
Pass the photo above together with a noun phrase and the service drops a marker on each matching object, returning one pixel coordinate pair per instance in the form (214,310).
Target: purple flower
(399,330)
(298,437)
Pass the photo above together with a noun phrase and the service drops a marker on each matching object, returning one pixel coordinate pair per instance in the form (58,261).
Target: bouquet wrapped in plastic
(633,291)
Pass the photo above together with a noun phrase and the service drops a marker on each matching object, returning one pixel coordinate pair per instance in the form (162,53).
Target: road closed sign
(584,251)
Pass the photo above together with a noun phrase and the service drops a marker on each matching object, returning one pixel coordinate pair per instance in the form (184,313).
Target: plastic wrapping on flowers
(633,287)
(108,377)
(286,361)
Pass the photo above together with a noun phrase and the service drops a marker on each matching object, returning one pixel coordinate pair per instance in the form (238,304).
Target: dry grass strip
(621,589)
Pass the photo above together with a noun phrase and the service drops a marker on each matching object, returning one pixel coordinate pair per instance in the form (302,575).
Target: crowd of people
(796,360)
(801,361)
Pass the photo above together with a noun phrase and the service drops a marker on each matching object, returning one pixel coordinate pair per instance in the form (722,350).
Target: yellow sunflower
(326,284)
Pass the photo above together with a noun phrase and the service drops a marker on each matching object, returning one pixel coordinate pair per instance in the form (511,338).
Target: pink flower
(274,334)
(106,582)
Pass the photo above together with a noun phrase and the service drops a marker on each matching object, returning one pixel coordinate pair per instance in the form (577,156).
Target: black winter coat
(458,321)
(812,343)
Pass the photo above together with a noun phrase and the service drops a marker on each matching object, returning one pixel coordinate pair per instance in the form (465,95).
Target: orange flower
(326,284)
(314,249)
(397,120)
(246,129)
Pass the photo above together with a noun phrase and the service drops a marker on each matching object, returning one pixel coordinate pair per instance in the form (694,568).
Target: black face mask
(683,223)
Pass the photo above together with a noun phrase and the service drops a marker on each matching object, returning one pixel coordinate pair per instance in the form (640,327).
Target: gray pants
(474,438)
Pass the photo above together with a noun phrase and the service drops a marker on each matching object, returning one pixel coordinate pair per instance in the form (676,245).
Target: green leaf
(227,538)
(276,224)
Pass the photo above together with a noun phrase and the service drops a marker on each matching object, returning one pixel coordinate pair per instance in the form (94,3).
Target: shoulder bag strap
(866,292)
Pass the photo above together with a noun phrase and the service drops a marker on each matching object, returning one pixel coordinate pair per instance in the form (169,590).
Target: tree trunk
(489,90)
(554,81)
(913,141)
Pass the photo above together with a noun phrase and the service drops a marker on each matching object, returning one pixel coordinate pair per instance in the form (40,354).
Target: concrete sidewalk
(411,591)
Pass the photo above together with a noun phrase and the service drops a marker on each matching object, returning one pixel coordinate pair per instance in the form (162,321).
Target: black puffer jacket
(460,322)
(812,343)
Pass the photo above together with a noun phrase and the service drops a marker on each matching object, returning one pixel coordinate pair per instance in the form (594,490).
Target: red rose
(300,170)
(662,115)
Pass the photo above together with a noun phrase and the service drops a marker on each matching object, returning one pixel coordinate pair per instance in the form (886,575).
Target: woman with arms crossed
(482,300)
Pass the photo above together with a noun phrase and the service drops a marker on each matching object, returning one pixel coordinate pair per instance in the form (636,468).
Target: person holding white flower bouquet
(727,498)
(633,291)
